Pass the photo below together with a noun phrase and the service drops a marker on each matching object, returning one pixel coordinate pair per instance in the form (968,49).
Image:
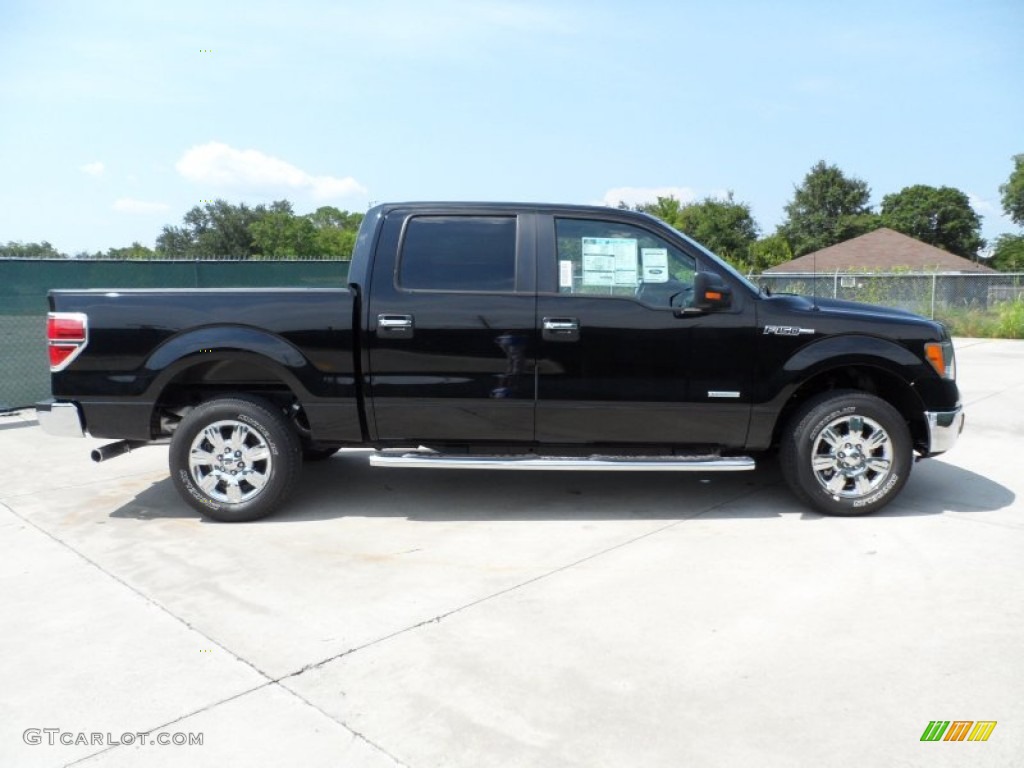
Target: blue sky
(117,117)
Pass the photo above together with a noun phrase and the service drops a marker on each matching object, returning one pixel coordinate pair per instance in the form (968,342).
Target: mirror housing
(710,292)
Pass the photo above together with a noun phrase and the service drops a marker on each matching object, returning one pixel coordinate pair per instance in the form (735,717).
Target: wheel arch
(871,377)
(219,360)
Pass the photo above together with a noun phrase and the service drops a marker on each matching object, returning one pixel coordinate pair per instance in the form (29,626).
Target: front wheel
(235,458)
(846,453)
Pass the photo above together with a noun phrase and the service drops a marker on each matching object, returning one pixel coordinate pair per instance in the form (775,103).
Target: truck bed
(139,341)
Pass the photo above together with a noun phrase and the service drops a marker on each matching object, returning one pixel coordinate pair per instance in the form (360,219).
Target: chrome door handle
(560,329)
(561,325)
(395,326)
(394,322)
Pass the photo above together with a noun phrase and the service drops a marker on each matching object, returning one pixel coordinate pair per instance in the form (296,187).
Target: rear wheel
(846,453)
(235,458)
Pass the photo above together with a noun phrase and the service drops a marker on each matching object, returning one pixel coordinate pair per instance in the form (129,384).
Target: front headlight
(940,355)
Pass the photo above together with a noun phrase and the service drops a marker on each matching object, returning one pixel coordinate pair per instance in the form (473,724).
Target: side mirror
(710,292)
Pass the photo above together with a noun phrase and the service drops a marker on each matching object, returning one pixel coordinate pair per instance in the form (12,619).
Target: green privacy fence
(24,371)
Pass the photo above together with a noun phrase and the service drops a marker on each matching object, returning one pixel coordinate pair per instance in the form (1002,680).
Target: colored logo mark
(958,730)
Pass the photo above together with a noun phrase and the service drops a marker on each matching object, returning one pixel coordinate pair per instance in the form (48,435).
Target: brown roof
(883,250)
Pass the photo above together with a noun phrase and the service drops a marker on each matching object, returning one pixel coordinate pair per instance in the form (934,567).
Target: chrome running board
(711,463)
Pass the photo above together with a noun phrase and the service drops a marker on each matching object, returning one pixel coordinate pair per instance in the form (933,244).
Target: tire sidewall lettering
(264,432)
(195,492)
(879,494)
(816,431)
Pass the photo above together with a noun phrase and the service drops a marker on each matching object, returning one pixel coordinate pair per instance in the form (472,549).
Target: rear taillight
(67,334)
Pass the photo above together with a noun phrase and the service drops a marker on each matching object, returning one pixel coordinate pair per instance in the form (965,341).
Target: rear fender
(280,359)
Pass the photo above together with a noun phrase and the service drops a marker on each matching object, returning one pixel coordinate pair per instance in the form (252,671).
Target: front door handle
(560,329)
(395,326)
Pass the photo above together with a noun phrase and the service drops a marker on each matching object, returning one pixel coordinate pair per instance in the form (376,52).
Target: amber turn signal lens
(940,355)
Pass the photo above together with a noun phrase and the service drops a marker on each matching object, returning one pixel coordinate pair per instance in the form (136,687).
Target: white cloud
(218,164)
(93,169)
(636,195)
(129,205)
(980,204)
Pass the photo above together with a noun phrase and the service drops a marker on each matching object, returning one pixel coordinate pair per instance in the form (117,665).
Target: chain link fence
(932,295)
(24,368)
(984,305)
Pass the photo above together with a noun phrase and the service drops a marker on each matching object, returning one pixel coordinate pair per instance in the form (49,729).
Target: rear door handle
(395,326)
(560,329)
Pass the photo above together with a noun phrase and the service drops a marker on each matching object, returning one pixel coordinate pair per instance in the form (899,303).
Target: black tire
(319,451)
(846,453)
(252,479)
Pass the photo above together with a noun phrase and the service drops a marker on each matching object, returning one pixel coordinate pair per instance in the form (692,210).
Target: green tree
(1013,192)
(768,252)
(327,233)
(282,235)
(666,208)
(827,208)
(216,230)
(723,226)
(940,216)
(335,232)
(135,251)
(1008,255)
(18,250)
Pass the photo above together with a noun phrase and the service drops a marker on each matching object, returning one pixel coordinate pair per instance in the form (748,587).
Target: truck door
(618,360)
(451,336)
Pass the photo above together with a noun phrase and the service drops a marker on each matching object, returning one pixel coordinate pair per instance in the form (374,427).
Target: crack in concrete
(270,681)
(279,681)
(473,603)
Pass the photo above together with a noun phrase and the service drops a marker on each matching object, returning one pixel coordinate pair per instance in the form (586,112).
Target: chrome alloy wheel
(230,461)
(852,456)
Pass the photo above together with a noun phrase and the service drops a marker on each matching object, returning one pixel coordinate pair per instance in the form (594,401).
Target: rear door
(451,337)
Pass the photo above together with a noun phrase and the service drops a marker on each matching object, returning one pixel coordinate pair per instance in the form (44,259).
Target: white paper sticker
(655,265)
(609,261)
(565,274)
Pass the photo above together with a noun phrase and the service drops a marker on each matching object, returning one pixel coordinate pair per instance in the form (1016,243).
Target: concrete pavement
(444,618)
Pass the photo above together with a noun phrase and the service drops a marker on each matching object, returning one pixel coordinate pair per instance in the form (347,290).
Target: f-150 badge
(787,330)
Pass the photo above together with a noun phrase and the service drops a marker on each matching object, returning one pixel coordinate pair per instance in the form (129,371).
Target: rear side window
(459,253)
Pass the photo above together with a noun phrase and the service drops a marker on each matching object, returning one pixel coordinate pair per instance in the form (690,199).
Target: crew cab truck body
(506,336)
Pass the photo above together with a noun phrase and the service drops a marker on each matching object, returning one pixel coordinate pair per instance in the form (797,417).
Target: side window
(459,253)
(606,258)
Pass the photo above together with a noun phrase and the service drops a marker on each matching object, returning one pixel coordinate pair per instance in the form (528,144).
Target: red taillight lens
(60,354)
(67,334)
(65,327)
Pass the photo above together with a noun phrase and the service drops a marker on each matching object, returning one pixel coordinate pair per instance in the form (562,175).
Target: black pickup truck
(505,336)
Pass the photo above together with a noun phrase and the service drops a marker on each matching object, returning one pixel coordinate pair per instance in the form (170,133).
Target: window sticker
(655,265)
(565,273)
(609,261)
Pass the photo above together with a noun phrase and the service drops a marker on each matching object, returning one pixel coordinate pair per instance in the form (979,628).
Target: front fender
(781,380)
(852,349)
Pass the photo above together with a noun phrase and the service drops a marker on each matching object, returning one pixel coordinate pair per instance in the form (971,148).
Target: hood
(853,311)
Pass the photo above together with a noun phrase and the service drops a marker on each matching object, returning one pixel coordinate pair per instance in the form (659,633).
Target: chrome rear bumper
(60,419)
